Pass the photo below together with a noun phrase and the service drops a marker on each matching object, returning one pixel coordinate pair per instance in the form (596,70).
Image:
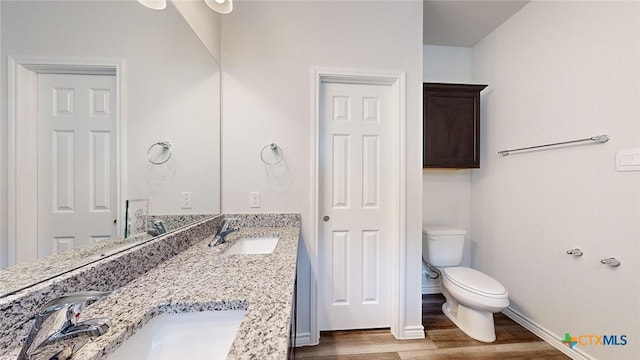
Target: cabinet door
(451,126)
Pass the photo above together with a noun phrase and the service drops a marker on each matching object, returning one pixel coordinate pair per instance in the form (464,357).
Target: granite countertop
(201,278)
(24,275)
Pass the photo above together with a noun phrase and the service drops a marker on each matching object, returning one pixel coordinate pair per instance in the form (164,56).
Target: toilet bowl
(472,297)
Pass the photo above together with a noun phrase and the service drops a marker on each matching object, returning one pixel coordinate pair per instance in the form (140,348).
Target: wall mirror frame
(147,111)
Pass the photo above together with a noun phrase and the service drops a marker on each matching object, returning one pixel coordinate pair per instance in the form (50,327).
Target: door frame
(22,166)
(397,81)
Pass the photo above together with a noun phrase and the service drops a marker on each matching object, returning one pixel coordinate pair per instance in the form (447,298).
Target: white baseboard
(546,335)
(413,332)
(431,289)
(304,339)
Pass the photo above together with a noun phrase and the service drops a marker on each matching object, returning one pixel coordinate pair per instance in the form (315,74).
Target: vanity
(180,273)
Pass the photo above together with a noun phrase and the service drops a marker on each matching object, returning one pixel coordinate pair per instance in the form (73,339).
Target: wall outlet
(254,199)
(186,199)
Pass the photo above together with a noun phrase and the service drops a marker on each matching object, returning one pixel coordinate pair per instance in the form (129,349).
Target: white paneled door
(76,161)
(355,206)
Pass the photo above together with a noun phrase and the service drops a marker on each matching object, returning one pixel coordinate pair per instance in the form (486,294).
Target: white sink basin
(254,245)
(194,335)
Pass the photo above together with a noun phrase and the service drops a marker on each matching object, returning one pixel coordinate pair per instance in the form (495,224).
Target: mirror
(166,90)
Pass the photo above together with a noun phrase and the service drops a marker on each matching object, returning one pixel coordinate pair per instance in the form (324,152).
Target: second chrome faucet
(222,232)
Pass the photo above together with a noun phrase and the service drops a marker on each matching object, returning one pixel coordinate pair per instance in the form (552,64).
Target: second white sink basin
(254,245)
(194,336)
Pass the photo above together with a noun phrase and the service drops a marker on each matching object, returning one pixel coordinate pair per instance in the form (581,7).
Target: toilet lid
(474,280)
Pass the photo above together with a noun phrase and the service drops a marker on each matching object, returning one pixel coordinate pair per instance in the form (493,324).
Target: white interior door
(77,200)
(355,206)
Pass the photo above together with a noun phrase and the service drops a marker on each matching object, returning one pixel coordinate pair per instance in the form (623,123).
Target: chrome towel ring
(166,149)
(278,154)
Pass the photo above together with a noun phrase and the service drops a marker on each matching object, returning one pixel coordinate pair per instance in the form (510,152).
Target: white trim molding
(397,81)
(413,332)
(431,289)
(21,90)
(304,339)
(546,335)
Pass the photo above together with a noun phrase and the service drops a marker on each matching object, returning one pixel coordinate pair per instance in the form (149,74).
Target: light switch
(628,160)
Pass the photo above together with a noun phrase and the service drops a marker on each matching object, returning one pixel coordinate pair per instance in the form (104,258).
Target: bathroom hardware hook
(613,262)
(277,150)
(575,252)
(166,147)
(599,139)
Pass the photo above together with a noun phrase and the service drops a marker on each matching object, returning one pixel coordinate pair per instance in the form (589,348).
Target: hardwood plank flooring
(443,341)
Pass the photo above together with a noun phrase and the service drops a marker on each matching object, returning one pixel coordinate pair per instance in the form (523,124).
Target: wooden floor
(443,341)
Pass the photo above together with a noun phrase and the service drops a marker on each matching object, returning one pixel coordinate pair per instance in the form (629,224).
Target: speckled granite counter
(24,275)
(200,278)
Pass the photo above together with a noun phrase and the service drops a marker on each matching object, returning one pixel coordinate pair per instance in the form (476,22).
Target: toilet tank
(442,245)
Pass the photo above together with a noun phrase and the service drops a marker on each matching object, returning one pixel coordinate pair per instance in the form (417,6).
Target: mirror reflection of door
(77,201)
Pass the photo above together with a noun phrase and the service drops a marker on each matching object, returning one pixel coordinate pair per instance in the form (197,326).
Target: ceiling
(464,22)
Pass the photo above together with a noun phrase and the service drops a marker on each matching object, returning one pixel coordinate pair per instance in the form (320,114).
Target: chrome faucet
(223,231)
(159,228)
(57,333)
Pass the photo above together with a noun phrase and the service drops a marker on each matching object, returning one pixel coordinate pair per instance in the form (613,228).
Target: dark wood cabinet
(451,119)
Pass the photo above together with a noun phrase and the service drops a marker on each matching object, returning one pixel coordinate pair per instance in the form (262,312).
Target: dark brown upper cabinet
(451,132)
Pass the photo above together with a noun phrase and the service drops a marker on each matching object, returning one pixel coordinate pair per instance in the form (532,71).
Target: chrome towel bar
(597,139)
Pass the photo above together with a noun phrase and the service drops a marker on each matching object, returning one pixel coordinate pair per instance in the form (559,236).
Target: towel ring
(166,147)
(279,154)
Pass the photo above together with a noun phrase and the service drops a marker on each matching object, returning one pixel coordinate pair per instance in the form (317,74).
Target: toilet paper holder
(575,252)
(614,262)
(610,261)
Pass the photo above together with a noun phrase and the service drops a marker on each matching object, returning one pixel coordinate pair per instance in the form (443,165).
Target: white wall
(447,64)
(268,51)
(204,22)
(559,71)
(446,194)
(171,91)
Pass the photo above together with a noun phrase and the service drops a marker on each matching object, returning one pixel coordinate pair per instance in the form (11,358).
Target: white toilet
(472,296)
